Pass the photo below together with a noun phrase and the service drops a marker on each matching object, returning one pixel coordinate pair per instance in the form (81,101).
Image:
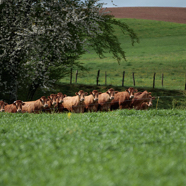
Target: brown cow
(2,106)
(146,105)
(59,105)
(75,103)
(14,107)
(104,99)
(140,98)
(123,99)
(35,106)
(51,102)
(91,101)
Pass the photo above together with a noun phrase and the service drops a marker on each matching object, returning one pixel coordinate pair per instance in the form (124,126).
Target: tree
(41,37)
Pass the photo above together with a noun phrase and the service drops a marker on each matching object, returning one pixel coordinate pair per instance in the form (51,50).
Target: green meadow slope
(161,50)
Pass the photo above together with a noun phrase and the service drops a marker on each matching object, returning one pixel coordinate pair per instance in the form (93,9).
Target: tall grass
(124,147)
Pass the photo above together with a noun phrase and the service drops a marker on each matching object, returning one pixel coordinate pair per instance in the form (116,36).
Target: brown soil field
(177,15)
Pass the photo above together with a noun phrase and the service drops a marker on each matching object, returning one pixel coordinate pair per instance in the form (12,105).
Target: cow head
(53,98)
(43,100)
(150,100)
(60,97)
(111,93)
(131,92)
(18,105)
(81,95)
(2,106)
(95,94)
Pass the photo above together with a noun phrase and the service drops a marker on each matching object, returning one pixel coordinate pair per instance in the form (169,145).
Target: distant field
(124,147)
(161,50)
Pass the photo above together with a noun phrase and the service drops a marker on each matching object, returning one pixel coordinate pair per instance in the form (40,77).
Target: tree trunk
(13,87)
(32,91)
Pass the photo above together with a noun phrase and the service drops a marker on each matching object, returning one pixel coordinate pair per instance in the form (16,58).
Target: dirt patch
(177,15)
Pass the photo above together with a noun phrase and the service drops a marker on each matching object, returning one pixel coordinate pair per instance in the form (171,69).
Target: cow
(146,105)
(2,106)
(91,101)
(139,99)
(104,99)
(35,106)
(75,103)
(123,99)
(51,102)
(59,105)
(16,106)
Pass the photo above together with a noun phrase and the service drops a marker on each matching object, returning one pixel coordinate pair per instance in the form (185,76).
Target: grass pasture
(161,50)
(123,147)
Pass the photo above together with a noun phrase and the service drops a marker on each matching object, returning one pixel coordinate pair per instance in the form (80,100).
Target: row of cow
(82,102)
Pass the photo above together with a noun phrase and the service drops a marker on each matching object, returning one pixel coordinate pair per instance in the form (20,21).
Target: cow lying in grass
(14,107)
(35,106)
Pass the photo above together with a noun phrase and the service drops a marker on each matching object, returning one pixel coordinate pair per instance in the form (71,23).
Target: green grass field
(161,50)
(123,147)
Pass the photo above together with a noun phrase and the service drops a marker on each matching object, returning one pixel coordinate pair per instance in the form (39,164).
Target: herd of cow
(82,102)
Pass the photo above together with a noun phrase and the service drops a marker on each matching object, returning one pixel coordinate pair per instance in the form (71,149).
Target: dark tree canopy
(38,38)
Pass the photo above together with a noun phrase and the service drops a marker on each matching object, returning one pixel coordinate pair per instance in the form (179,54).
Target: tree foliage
(41,40)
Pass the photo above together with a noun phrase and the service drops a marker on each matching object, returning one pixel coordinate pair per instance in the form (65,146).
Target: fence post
(105,77)
(71,76)
(123,78)
(98,77)
(133,78)
(162,80)
(76,75)
(154,79)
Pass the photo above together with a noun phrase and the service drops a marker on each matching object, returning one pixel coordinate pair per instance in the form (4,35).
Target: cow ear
(136,90)
(5,103)
(65,95)
(107,92)
(90,92)
(14,102)
(127,90)
(149,93)
(100,92)
(116,92)
(153,98)
(76,93)
(23,103)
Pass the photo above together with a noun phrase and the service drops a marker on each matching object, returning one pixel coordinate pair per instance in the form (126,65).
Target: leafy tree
(41,40)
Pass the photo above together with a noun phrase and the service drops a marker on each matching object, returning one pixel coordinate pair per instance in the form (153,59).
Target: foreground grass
(124,147)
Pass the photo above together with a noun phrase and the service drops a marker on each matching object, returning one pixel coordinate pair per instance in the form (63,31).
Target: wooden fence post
(71,76)
(123,78)
(133,78)
(76,75)
(154,79)
(162,80)
(98,77)
(105,77)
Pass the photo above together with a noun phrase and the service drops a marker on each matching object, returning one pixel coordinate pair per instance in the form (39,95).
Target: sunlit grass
(126,147)
(161,50)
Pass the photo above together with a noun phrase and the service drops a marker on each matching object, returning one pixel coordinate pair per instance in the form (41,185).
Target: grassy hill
(161,50)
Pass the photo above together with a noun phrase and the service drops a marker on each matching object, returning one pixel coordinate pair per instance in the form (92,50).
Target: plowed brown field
(177,15)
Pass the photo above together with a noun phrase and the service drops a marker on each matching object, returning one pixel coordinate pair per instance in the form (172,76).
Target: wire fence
(174,81)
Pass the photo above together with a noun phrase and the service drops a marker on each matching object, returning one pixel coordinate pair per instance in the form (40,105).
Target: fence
(154,80)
